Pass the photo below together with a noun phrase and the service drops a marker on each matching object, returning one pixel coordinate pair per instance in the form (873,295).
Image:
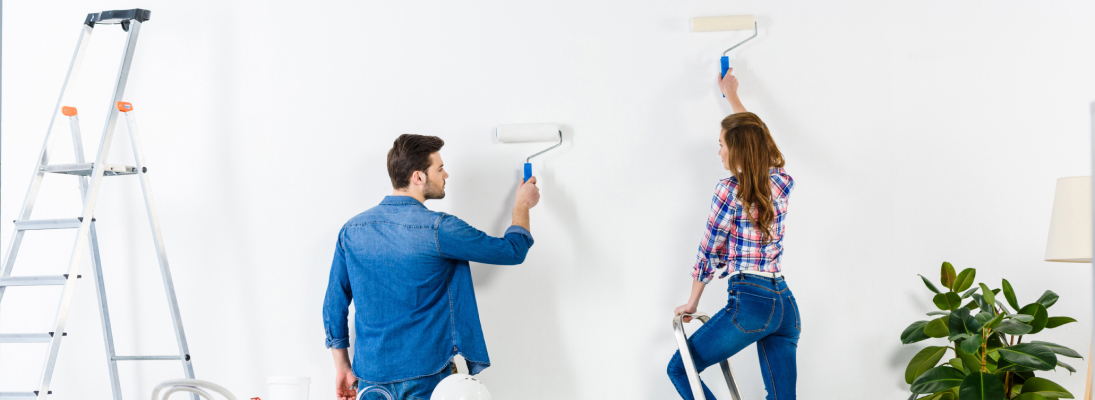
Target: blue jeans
(760,310)
(413,389)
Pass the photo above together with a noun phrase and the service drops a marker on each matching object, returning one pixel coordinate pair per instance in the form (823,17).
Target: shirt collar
(401,201)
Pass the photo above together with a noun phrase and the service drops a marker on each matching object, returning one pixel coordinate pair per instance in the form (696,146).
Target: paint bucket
(288,388)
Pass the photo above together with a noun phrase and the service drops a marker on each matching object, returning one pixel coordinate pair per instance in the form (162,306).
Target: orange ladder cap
(124,107)
(68,111)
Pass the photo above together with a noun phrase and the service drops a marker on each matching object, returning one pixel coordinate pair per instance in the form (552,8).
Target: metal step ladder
(690,366)
(90,176)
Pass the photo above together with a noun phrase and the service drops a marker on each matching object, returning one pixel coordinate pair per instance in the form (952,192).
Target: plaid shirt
(732,239)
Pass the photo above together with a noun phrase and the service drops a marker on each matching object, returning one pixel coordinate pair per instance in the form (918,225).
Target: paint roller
(726,23)
(521,133)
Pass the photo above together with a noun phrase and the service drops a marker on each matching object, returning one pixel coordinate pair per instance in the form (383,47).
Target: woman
(745,238)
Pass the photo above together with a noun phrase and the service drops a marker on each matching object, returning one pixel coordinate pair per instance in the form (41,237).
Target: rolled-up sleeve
(337,302)
(458,240)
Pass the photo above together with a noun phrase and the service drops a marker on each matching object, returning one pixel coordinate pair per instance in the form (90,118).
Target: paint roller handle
(725,61)
(528,172)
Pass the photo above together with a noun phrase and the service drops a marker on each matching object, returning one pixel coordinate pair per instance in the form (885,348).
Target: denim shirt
(406,270)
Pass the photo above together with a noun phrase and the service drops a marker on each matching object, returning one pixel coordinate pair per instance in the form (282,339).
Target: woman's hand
(728,84)
(687,308)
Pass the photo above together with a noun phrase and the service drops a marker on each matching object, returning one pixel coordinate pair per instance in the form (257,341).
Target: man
(406,270)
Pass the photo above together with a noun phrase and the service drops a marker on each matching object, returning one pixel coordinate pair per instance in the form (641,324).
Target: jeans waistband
(778,283)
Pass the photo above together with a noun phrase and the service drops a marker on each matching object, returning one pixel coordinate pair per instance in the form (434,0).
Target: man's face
(435,178)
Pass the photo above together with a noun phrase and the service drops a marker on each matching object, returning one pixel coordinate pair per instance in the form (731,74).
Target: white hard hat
(460,387)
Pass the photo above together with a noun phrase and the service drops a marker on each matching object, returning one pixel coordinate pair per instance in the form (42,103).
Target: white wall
(917,132)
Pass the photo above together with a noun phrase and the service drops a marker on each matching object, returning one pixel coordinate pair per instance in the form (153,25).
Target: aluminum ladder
(690,366)
(90,176)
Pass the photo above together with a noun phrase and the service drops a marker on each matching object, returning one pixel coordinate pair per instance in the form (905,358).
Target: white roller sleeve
(725,23)
(516,133)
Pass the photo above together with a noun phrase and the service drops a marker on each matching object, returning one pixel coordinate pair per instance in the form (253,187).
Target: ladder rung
(85,169)
(44,280)
(27,337)
(146,358)
(36,224)
(21,395)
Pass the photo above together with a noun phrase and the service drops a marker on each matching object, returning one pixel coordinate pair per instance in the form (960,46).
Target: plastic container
(288,387)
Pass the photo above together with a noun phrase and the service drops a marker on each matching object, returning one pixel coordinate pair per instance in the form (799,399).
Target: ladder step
(39,224)
(147,358)
(21,395)
(44,280)
(85,169)
(27,337)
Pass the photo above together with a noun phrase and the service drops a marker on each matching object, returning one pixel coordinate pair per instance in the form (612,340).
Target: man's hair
(410,153)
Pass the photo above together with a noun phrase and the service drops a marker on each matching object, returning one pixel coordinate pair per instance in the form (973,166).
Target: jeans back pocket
(753,312)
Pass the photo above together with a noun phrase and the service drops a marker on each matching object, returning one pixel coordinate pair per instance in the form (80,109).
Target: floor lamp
(1070,236)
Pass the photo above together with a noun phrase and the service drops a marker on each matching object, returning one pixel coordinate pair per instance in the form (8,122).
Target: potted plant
(994,357)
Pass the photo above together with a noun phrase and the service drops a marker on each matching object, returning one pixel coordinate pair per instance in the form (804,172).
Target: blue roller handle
(725,66)
(528,171)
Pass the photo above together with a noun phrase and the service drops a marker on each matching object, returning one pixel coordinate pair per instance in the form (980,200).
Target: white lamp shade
(1070,226)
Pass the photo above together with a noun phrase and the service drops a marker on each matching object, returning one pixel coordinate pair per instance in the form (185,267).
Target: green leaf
(937,328)
(1066,366)
(964,279)
(1009,293)
(956,323)
(1014,328)
(972,344)
(981,386)
(1029,396)
(1046,388)
(937,379)
(970,361)
(1041,316)
(1048,298)
(914,333)
(1008,366)
(987,293)
(980,304)
(947,275)
(934,313)
(929,284)
(970,292)
(924,360)
(1058,349)
(1030,355)
(972,325)
(1021,317)
(994,322)
(947,301)
(1054,322)
(983,317)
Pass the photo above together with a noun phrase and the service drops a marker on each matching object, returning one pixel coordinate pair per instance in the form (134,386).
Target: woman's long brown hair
(753,153)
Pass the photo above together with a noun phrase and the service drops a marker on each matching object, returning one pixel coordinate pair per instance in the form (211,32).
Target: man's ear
(417,178)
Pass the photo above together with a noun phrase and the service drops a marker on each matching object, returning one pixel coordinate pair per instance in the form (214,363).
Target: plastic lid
(288,380)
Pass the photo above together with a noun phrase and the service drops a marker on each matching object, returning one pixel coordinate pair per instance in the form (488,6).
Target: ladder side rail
(690,366)
(47,146)
(161,249)
(89,209)
(686,355)
(96,264)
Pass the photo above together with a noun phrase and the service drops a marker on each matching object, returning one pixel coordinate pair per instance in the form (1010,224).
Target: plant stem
(1007,386)
(984,350)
